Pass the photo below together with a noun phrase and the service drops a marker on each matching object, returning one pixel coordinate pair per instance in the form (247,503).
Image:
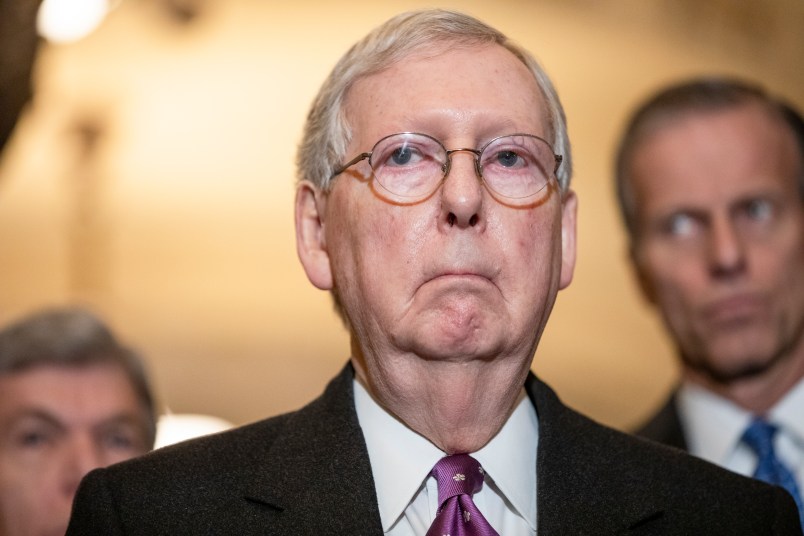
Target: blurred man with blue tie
(710,177)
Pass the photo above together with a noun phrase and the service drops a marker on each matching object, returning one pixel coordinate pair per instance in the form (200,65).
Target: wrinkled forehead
(757,119)
(456,80)
(91,386)
(713,160)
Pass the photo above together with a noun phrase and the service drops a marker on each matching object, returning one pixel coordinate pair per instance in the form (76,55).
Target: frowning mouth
(459,275)
(460,278)
(735,309)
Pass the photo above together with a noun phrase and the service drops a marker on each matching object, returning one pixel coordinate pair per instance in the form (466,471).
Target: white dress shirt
(401,461)
(713,427)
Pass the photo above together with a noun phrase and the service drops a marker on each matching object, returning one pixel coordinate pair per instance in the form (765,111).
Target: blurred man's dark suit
(665,426)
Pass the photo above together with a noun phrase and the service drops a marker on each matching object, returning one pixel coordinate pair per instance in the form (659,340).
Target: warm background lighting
(152,179)
(64,21)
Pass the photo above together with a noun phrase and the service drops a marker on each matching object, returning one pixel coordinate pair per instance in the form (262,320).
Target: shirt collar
(512,449)
(717,424)
(788,411)
(401,459)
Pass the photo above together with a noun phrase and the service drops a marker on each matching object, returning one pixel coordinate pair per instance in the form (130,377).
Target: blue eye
(34,439)
(680,225)
(122,437)
(508,158)
(402,156)
(759,209)
(119,441)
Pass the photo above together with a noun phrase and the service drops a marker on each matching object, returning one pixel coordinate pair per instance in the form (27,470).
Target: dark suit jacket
(308,473)
(665,426)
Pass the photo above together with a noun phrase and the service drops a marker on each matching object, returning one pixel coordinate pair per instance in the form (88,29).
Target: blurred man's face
(56,424)
(458,276)
(720,245)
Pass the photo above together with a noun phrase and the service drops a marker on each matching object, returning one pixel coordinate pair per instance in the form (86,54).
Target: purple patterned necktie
(459,476)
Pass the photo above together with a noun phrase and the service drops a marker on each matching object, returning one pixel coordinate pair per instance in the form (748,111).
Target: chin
(440,333)
(727,365)
(739,371)
(450,347)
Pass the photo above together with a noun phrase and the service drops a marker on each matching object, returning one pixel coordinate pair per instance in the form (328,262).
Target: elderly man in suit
(711,182)
(434,204)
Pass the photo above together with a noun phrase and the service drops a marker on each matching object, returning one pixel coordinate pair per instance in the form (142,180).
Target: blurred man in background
(71,399)
(710,177)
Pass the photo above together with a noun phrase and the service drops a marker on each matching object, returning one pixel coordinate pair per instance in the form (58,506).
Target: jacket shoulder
(600,477)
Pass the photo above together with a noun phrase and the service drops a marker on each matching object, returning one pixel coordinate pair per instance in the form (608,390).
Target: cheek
(527,242)
(390,228)
(671,289)
(371,246)
(781,276)
(780,263)
(21,487)
(674,279)
(376,242)
(536,242)
(402,230)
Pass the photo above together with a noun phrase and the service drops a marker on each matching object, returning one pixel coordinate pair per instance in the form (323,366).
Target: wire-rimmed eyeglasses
(411,166)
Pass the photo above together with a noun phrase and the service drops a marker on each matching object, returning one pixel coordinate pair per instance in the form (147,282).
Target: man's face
(458,276)
(720,241)
(56,424)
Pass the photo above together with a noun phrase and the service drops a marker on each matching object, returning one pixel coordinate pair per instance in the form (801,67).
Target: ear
(569,212)
(311,243)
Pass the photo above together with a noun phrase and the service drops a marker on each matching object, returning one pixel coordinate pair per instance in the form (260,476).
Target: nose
(726,249)
(462,192)
(80,456)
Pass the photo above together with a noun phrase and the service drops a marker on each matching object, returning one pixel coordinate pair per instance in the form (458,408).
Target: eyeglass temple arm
(559,159)
(350,163)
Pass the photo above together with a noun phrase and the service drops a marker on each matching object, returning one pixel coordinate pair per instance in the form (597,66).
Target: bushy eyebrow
(124,419)
(38,415)
(46,417)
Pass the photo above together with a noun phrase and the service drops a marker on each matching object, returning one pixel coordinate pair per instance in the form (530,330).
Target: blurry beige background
(152,179)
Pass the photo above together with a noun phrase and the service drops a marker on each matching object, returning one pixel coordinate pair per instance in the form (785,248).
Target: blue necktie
(759,436)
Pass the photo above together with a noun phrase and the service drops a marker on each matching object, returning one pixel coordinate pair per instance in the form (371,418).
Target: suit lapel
(583,487)
(316,478)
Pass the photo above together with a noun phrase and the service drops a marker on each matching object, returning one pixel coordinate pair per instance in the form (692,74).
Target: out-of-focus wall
(152,178)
